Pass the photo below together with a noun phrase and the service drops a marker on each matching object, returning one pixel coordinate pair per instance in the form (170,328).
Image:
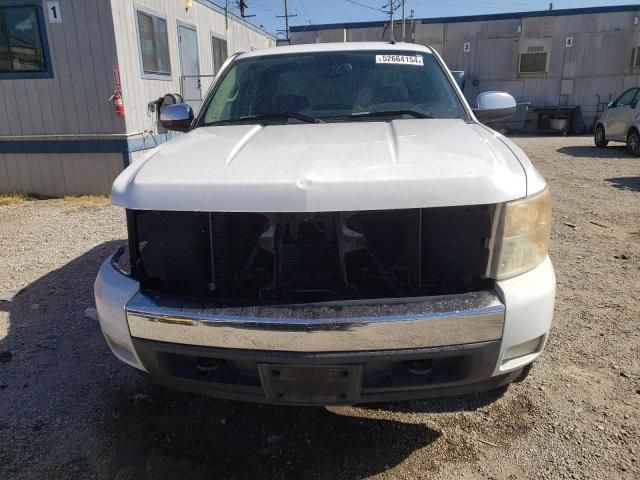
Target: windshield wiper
(275,116)
(388,113)
(268,116)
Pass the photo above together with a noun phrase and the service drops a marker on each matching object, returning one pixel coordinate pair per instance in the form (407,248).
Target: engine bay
(267,258)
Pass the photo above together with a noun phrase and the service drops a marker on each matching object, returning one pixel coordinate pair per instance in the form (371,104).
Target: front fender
(633,125)
(601,120)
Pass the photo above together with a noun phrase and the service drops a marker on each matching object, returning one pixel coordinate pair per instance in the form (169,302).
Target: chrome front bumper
(390,324)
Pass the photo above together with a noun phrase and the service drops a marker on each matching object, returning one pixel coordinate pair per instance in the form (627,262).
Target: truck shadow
(626,183)
(69,409)
(170,432)
(461,403)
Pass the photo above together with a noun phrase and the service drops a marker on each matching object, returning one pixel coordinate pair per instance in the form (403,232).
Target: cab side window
(626,98)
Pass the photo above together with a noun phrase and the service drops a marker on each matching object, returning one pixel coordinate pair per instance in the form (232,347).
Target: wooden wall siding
(74,101)
(137,92)
(56,175)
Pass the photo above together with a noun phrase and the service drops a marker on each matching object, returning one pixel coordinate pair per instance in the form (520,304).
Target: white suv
(334,227)
(620,123)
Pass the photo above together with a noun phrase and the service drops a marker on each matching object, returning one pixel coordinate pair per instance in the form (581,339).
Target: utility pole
(413,33)
(403,20)
(393,37)
(242,5)
(286,17)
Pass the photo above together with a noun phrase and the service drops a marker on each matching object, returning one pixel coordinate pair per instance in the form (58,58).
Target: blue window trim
(48,73)
(68,146)
(123,146)
(165,77)
(64,146)
(223,38)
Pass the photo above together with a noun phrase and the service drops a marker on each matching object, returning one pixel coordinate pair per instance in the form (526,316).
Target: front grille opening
(261,259)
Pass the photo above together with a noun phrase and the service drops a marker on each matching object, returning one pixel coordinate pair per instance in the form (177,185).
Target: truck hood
(325,167)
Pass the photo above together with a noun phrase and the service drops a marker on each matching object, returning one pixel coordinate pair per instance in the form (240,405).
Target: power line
(304,10)
(392,5)
(365,6)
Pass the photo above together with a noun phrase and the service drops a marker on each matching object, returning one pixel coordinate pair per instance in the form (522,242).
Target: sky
(336,11)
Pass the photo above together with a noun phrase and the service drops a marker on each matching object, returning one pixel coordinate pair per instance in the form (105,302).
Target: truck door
(621,113)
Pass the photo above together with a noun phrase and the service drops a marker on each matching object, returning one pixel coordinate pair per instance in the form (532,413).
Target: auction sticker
(401,59)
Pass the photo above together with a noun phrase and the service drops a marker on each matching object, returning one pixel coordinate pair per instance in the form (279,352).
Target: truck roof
(338,47)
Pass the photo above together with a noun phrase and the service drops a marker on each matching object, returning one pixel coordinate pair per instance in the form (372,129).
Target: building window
(21,43)
(219,46)
(533,62)
(154,44)
(635,57)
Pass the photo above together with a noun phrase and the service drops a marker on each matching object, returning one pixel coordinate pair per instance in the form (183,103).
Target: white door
(190,81)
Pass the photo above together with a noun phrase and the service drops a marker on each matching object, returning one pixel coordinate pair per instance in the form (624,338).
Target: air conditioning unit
(534,60)
(535,49)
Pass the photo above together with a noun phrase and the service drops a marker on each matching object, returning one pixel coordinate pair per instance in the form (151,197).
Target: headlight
(522,236)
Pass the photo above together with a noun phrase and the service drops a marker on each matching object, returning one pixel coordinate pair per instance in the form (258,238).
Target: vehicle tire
(599,137)
(633,143)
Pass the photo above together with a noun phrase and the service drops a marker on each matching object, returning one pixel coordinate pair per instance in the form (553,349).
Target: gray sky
(335,11)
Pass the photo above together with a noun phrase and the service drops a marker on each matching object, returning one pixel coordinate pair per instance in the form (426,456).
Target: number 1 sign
(53,9)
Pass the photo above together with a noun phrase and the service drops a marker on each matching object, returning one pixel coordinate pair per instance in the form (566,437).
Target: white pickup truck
(335,227)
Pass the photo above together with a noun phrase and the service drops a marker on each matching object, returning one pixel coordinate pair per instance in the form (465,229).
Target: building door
(190,81)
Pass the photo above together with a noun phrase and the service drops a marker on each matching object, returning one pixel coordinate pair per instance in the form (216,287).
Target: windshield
(332,87)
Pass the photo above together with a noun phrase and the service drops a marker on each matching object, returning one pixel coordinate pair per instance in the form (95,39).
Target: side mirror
(177,117)
(494,106)
(611,104)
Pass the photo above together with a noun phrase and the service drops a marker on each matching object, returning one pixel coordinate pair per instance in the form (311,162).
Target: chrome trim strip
(493,241)
(323,327)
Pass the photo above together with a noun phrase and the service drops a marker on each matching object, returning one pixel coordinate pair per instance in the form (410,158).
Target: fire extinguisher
(116,98)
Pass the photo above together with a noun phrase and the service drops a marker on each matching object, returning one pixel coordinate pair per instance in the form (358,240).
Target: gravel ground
(69,409)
